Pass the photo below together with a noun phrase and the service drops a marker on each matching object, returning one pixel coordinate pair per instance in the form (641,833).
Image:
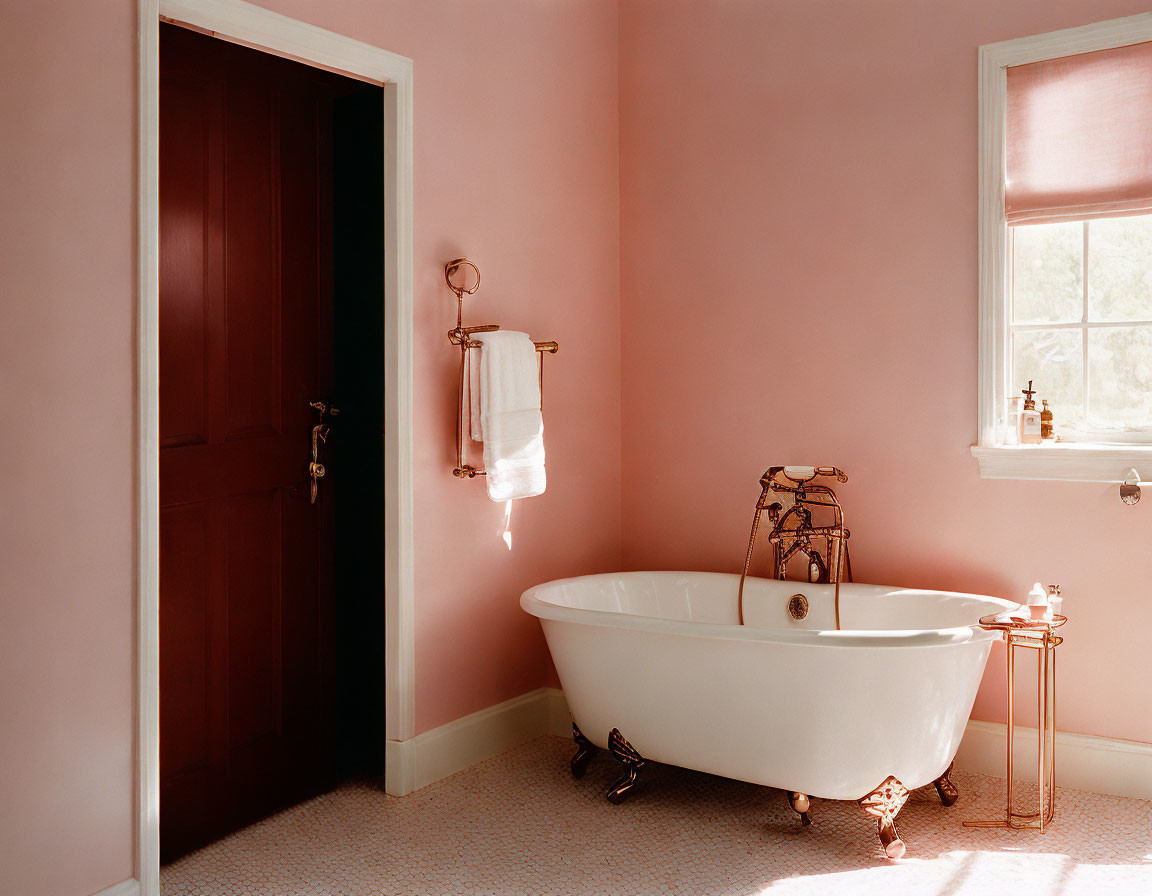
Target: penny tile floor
(519,824)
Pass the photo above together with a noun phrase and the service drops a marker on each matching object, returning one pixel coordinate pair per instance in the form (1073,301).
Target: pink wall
(516,164)
(793,168)
(775,166)
(66,347)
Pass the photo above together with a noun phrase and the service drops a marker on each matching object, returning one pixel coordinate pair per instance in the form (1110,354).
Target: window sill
(1069,461)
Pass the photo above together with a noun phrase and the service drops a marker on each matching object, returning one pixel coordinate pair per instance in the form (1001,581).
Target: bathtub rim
(888,639)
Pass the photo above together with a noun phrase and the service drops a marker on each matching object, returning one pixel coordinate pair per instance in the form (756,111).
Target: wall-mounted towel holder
(462,336)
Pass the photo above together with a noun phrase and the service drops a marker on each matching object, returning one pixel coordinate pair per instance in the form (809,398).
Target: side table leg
(1041,727)
(1009,650)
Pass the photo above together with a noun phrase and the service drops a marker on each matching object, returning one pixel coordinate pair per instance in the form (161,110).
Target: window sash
(1084,325)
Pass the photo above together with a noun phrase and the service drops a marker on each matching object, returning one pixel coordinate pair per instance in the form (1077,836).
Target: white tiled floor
(519,824)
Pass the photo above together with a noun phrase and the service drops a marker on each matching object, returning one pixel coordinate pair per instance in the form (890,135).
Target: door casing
(270,32)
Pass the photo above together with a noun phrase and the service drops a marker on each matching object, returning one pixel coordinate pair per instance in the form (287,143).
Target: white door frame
(257,27)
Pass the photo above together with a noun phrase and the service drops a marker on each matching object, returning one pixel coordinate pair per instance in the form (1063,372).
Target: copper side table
(1039,636)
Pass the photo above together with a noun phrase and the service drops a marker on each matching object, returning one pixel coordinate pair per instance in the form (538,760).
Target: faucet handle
(798,475)
(807,474)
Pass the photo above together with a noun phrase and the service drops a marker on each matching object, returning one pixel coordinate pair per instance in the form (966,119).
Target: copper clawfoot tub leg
(585,750)
(632,761)
(884,804)
(945,788)
(800,803)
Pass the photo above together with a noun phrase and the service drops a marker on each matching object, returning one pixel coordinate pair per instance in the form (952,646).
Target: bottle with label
(1029,418)
(1046,431)
(1012,428)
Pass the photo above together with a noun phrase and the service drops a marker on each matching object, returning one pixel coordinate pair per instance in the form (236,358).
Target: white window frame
(1082,461)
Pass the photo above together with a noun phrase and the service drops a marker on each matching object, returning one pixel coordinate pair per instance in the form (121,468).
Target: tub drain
(797,606)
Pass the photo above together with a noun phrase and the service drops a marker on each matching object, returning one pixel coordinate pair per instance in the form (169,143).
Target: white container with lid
(1038,603)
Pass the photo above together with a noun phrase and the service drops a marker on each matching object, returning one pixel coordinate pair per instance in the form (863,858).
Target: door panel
(184,674)
(186,182)
(252,238)
(245,345)
(254,616)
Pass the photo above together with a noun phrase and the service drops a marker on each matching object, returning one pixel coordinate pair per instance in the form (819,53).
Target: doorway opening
(271,434)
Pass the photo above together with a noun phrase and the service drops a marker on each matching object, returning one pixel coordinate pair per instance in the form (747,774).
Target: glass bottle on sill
(1046,430)
(1029,418)
(1012,427)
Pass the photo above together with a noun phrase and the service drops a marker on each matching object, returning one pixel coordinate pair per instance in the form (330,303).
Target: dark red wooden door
(245,345)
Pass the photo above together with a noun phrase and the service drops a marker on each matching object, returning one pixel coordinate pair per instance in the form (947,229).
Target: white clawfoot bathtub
(796,705)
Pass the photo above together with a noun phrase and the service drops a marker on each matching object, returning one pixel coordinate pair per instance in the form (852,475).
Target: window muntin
(1080,324)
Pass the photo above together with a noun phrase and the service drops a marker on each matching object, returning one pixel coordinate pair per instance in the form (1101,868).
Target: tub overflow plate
(797,606)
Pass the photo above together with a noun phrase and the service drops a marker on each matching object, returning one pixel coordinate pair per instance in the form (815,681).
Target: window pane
(1054,361)
(1120,268)
(1120,378)
(1048,273)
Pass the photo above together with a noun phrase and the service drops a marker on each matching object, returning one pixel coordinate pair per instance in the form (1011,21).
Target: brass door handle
(320,432)
(315,468)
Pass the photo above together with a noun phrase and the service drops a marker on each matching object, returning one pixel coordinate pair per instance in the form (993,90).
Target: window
(1080,324)
(1066,249)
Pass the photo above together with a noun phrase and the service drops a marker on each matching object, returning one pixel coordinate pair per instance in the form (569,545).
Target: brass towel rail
(462,336)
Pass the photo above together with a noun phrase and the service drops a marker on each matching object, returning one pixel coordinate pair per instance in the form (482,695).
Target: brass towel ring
(451,268)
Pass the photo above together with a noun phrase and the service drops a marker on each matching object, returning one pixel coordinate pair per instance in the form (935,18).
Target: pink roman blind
(1079,140)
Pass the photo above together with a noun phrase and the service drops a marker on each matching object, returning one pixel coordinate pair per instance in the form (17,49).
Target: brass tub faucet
(794,533)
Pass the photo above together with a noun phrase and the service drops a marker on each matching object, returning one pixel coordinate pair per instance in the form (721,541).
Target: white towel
(476,428)
(511,424)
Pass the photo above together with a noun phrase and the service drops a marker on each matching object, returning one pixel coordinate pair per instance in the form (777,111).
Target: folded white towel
(511,424)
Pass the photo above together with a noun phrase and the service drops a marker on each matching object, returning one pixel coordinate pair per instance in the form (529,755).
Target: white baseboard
(124,888)
(428,757)
(1085,762)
